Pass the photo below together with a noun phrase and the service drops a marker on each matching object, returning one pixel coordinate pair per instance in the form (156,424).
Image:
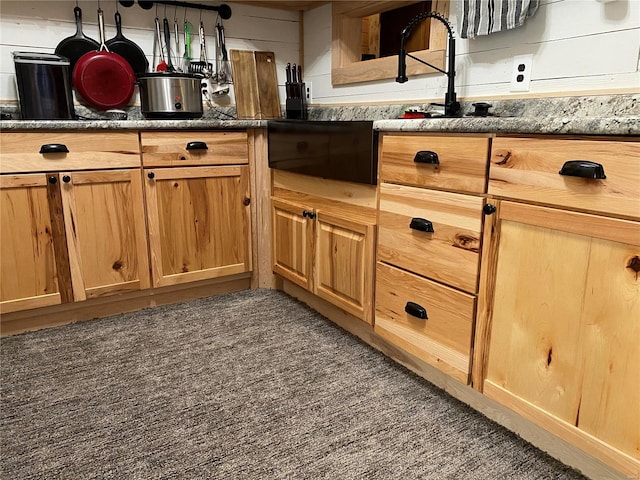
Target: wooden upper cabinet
(105,232)
(199,223)
(446,163)
(565,326)
(529,169)
(178,149)
(28,273)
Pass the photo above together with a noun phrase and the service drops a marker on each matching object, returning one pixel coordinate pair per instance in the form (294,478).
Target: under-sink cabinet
(558,333)
(323,238)
(198,205)
(69,233)
(429,243)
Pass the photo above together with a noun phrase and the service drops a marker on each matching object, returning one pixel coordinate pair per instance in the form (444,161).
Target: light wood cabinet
(564,345)
(324,244)
(429,246)
(558,331)
(75,234)
(199,222)
(327,253)
(28,271)
(105,232)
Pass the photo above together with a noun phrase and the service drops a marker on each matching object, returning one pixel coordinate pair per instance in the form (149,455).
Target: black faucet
(451,105)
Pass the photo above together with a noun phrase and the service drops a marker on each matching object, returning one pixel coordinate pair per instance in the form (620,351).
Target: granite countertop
(592,115)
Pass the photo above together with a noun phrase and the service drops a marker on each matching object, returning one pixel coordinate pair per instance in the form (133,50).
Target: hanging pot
(103,79)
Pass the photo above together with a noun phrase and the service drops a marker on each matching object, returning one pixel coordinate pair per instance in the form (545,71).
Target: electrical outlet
(521,73)
(308,90)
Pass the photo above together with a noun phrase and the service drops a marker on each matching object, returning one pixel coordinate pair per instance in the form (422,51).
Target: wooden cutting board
(255,84)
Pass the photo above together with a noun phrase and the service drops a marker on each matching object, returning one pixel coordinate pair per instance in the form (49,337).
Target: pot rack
(223,10)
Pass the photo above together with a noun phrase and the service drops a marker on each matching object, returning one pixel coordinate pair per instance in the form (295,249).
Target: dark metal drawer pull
(426,156)
(416,310)
(54,148)
(422,225)
(583,169)
(197,146)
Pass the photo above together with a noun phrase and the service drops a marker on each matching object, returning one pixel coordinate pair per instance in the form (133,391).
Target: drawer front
(86,150)
(527,169)
(443,339)
(450,254)
(179,149)
(462,161)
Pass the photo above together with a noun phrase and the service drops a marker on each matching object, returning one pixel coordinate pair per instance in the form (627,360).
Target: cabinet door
(28,273)
(292,242)
(344,265)
(105,230)
(565,329)
(199,223)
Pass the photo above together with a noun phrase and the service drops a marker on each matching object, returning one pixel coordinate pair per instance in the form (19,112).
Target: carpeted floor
(249,385)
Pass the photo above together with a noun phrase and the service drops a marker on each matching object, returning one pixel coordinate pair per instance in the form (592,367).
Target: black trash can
(44,86)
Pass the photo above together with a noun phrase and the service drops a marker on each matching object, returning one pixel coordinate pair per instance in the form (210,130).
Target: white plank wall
(38,26)
(577,46)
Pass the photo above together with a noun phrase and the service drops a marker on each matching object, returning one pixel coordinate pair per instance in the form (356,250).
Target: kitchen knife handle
(422,225)
(583,169)
(53,148)
(416,310)
(427,156)
(197,146)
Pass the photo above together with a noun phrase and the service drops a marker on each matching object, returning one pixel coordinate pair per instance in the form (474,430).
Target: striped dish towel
(482,17)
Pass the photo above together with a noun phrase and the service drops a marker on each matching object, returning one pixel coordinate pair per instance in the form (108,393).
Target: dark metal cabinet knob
(427,156)
(416,310)
(151,175)
(422,225)
(53,180)
(197,146)
(489,209)
(583,169)
(53,148)
(66,179)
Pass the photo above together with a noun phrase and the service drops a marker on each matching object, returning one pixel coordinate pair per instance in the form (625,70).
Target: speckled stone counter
(588,115)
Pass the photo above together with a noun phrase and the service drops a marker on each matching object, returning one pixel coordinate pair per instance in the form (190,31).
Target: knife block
(296,108)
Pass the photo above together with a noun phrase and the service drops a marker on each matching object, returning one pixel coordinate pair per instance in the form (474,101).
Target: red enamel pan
(104,79)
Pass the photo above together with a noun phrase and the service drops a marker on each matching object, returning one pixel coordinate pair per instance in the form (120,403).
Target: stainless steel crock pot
(170,95)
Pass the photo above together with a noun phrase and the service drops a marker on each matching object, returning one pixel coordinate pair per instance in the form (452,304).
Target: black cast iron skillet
(77,45)
(127,49)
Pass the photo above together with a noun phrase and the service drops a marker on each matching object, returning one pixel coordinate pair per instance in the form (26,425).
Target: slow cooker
(171,95)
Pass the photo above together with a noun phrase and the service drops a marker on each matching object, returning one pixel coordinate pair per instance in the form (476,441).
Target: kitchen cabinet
(558,335)
(198,213)
(429,244)
(70,233)
(325,246)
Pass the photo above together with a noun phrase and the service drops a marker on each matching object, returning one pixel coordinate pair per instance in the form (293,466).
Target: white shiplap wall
(38,26)
(577,46)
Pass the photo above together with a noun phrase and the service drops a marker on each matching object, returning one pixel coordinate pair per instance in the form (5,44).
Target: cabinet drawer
(172,149)
(86,151)
(451,253)
(443,339)
(528,169)
(462,161)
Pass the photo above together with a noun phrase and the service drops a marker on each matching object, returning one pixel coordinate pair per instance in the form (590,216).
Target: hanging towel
(482,17)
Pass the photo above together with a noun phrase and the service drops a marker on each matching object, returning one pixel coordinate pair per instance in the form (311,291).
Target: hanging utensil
(224,73)
(220,86)
(176,39)
(203,66)
(167,41)
(186,58)
(162,66)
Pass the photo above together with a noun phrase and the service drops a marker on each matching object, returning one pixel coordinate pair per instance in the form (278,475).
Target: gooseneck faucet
(451,105)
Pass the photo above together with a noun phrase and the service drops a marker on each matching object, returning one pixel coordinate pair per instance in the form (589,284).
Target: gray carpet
(250,385)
